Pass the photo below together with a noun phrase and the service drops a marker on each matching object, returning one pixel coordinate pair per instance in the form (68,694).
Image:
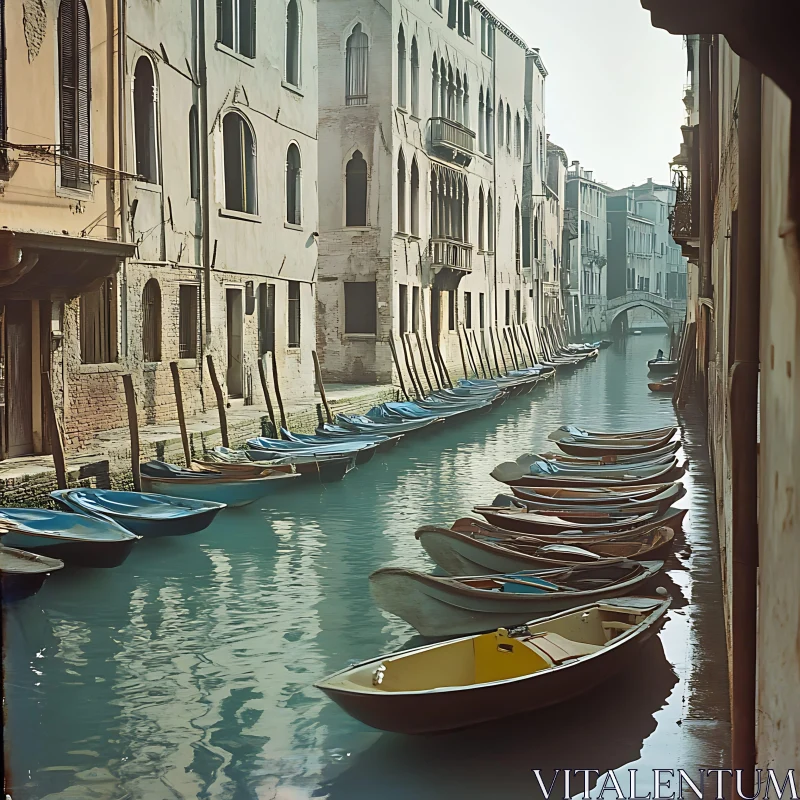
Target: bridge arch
(670,311)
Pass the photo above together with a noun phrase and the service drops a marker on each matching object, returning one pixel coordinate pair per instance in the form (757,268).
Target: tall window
(481,310)
(500,123)
(489,125)
(356,67)
(188,316)
(468,309)
(98,324)
(414,78)
(361,307)
(481,220)
(75,93)
(356,191)
(194,154)
(518,298)
(266,318)
(236,25)
(490,222)
(451,310)
(508,307)
(403,307)
(293,43)
(508,128)
(151,321)
(465,103)
(401,68)
(517,137)
(414,198)
(415,308)
(465,209)
(294,314)
(481,123)
(527,142)
(517,242)
(239,163)
(436,111)
(401,192)
(293,185)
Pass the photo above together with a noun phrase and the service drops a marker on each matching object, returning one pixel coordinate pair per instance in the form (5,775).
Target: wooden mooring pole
(321,387)
(262,373)
(133,427)
(278,397)
(223,416)
(176,382)
(59,460)
(397,364)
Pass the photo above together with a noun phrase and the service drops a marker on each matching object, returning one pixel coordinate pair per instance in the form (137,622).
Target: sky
(613,96)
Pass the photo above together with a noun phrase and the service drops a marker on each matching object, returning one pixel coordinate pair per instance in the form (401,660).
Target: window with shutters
(414,198)
(292,71)
(239,164)
(356,191)
(357,62)
(75,86)
(236,26)
(151,321)
(293,185)
(414,78)
(188,320)
(98,324)
(145,114)
(194,154)
(266,318)
(361,307)
(293,315)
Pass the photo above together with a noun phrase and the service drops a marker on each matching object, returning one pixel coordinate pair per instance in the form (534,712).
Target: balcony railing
(453,137)
(451,253)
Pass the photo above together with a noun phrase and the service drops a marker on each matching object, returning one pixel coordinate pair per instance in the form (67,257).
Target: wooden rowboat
(512,474)
(665,386)
(573,431)
(662,366)
(527,520)
(609,447)
(439,607)
(653,456)
(593,495)
(461,554)
(466,681)
(22,574)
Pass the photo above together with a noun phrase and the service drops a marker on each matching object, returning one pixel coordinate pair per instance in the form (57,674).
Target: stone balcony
(452,140)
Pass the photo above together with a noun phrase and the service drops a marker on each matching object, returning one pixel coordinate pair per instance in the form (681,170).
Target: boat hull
(232,492)
(439,607)
(72,552)
(20,587)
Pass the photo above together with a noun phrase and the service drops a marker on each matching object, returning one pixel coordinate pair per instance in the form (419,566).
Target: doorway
(235,320)
(16,372)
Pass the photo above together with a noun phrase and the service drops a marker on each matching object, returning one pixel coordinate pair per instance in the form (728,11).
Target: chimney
(588,174)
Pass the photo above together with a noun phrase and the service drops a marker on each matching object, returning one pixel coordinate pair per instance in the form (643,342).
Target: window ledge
(368,337)
(415,118)
(242,215)
(414,238)
(290,87)
(74,194)
(292,350)
(292,227)
(357,228)
(487,157)
(223,48)
(95,369)
(402,109)
(187,363)
(401,235)
(147,186)
(150,366)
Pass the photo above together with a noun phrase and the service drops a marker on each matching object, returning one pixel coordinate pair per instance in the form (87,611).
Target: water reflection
(187,672)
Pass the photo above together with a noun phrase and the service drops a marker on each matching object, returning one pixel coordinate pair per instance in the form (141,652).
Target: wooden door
(19,378)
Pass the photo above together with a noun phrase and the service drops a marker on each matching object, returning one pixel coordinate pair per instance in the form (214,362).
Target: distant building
(586,199)
(555,191)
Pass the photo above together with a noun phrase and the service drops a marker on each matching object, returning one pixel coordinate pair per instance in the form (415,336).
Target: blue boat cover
(63,525)
(134,504)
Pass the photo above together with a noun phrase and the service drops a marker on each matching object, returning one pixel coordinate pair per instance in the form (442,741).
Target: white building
(555,190)
(422,120)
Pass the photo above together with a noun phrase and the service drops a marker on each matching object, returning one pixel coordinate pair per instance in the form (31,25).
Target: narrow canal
(187,671)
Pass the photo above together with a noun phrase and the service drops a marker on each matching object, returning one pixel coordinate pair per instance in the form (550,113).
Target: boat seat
(559,649)
(612,628)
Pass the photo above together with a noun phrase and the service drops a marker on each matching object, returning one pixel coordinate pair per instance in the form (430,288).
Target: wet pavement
(187,672)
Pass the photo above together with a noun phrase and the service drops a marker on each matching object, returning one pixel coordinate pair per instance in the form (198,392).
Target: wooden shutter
(84,93)
(3,121)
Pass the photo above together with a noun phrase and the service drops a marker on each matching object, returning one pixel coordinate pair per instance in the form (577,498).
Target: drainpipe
(744,431)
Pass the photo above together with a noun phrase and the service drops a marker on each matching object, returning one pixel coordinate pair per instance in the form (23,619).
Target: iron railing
(447,133)
(451,253)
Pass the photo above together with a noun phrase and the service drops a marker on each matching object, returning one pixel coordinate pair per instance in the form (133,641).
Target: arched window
(293,43)
(490,222)
(194,154)
(517,137)
(451,94)
(527,142)
(436,111)
(489,125)
(293,185)
(465,104)
(401,192)
(517,238)
(414,78)
(401,68)
(414,198)
(481,220)
(151,321)
(356,191)
(458,95)
(356,67)
(481,123)
(236,25)
(75,88)
(508,128)
(144,120)
(465,211)
(500,122)
(239,163)
(442,89)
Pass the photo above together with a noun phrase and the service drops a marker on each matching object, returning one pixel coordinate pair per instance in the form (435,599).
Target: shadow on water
(603,730)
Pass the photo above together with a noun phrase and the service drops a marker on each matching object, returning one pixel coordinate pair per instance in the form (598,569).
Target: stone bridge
(672,312)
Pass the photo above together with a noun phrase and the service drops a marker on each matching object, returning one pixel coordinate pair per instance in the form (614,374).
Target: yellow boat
(466,681)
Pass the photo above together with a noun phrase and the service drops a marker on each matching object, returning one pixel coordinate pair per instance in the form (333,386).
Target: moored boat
(22,574)
(474,679)
(662,366)
(619,447)
(667,385)
(148,515)
(528,520)
(318,468)
(574,431)
(513,474)
(591,495)
(442,606)
(75,539)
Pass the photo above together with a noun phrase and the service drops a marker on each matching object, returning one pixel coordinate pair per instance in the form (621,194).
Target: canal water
(187,672)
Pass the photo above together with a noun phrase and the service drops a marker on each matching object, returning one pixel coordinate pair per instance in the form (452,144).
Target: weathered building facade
(423,117)
(587,290)
(554,189)
(736,218)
